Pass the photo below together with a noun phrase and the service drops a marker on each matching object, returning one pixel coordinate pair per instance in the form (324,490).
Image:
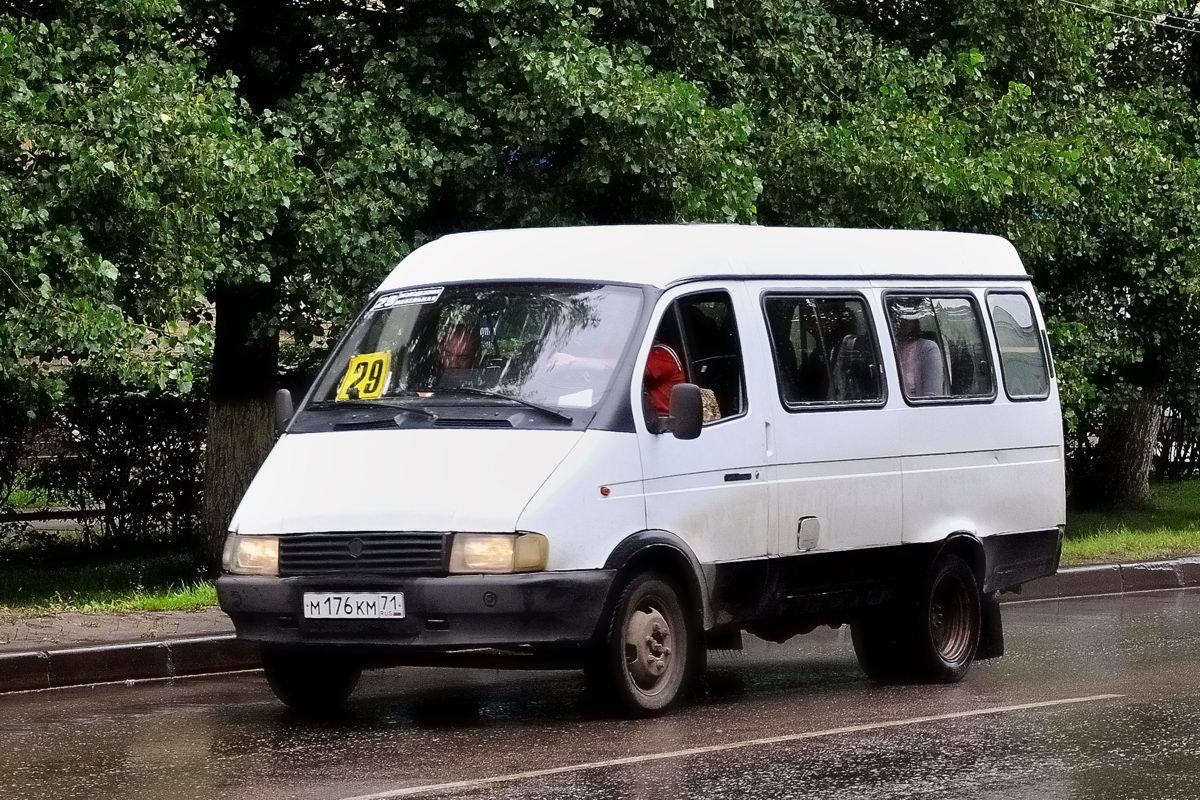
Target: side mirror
(284,409)
(687,411)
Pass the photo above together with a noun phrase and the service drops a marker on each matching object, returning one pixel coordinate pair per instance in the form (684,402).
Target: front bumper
(534,611)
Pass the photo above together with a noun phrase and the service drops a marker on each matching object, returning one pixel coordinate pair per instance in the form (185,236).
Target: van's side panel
(862,498)
(983,492)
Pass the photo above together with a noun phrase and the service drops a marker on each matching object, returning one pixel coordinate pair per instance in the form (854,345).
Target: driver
(458,354)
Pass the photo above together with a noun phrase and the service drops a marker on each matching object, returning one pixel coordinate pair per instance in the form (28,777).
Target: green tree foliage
(130,184)
(430,117)
(279,156)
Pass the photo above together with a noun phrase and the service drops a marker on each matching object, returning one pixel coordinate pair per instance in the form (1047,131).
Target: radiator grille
(362,553)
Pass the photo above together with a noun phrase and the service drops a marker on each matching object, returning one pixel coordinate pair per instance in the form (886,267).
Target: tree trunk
(239,438)
(1126,453)
(240,410)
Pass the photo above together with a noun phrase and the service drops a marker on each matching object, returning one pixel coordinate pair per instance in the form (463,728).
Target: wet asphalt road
(1097,698)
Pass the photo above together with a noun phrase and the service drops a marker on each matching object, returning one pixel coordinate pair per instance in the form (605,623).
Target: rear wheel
(883,647)
(650,655)
(949,622)
(932,635)
(309,682)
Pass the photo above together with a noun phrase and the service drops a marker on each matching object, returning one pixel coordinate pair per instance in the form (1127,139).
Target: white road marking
(1105,594)
(717,748)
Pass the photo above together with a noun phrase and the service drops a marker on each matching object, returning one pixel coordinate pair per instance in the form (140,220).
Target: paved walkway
(72,629)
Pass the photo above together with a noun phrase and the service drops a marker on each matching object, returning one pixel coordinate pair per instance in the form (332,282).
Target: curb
(1111,579)
(79,666)
(206,655)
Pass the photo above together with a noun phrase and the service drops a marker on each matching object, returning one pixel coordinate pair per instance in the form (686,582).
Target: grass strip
(153,583)
(1169,527)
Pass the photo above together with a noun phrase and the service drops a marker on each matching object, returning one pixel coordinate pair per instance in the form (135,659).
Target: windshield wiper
(498,396)
(389,420)
(323,404)
(382,422)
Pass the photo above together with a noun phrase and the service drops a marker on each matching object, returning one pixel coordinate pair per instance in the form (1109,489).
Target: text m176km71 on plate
(353,605)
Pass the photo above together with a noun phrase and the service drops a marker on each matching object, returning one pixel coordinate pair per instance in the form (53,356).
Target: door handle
(737,476)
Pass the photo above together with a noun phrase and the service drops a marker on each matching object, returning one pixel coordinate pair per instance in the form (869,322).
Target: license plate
(353,605)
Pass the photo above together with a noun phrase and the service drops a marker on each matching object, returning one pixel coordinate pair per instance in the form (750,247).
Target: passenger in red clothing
(663,370)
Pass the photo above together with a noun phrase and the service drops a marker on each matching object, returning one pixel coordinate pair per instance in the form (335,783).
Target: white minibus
(616,448)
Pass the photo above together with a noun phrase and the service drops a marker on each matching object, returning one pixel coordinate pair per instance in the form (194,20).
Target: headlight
(499,552)
(251,555)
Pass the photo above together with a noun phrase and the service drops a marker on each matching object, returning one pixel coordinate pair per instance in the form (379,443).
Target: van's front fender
(658,550)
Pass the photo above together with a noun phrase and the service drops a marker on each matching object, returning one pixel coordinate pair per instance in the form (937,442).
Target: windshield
(553,345)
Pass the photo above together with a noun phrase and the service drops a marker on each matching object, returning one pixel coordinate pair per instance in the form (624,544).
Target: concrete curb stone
(1139,577)
(212,654)
(80,666)
(1111,579)
(1189,571)
(75,666)
(1073,581)
(22,671)
(58,667)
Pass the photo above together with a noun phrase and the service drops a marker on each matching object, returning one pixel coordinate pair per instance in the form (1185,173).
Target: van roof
(663,255)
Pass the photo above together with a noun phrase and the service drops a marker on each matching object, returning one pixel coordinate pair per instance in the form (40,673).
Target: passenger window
(697,342)
(940,348)
(1022,358)
(824,350)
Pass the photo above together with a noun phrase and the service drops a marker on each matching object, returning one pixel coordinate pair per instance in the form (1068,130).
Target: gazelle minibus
(617,447)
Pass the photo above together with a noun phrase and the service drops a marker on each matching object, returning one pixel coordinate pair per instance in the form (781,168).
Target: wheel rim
(950,620)
(649,648)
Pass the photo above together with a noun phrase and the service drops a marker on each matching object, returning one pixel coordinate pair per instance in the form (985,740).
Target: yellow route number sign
(365,376)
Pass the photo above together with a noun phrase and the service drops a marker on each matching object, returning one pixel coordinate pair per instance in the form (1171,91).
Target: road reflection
(413,728)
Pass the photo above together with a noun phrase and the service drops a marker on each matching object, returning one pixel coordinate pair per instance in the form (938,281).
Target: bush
(19,414)
(135,456)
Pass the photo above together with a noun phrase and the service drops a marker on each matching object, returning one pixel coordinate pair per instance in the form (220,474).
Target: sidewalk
(73,649)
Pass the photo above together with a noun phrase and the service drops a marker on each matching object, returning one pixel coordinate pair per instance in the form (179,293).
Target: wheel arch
(661,551)
(966,546)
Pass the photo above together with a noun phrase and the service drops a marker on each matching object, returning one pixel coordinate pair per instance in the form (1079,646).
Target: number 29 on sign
(364,378)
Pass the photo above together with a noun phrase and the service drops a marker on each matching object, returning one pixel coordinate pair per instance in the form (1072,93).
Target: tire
(883,646)
(307,682)
(652,651)
(948,622)
(931,636)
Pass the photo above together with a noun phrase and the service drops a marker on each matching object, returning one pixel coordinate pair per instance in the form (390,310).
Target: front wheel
(650,655)
(309,682)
